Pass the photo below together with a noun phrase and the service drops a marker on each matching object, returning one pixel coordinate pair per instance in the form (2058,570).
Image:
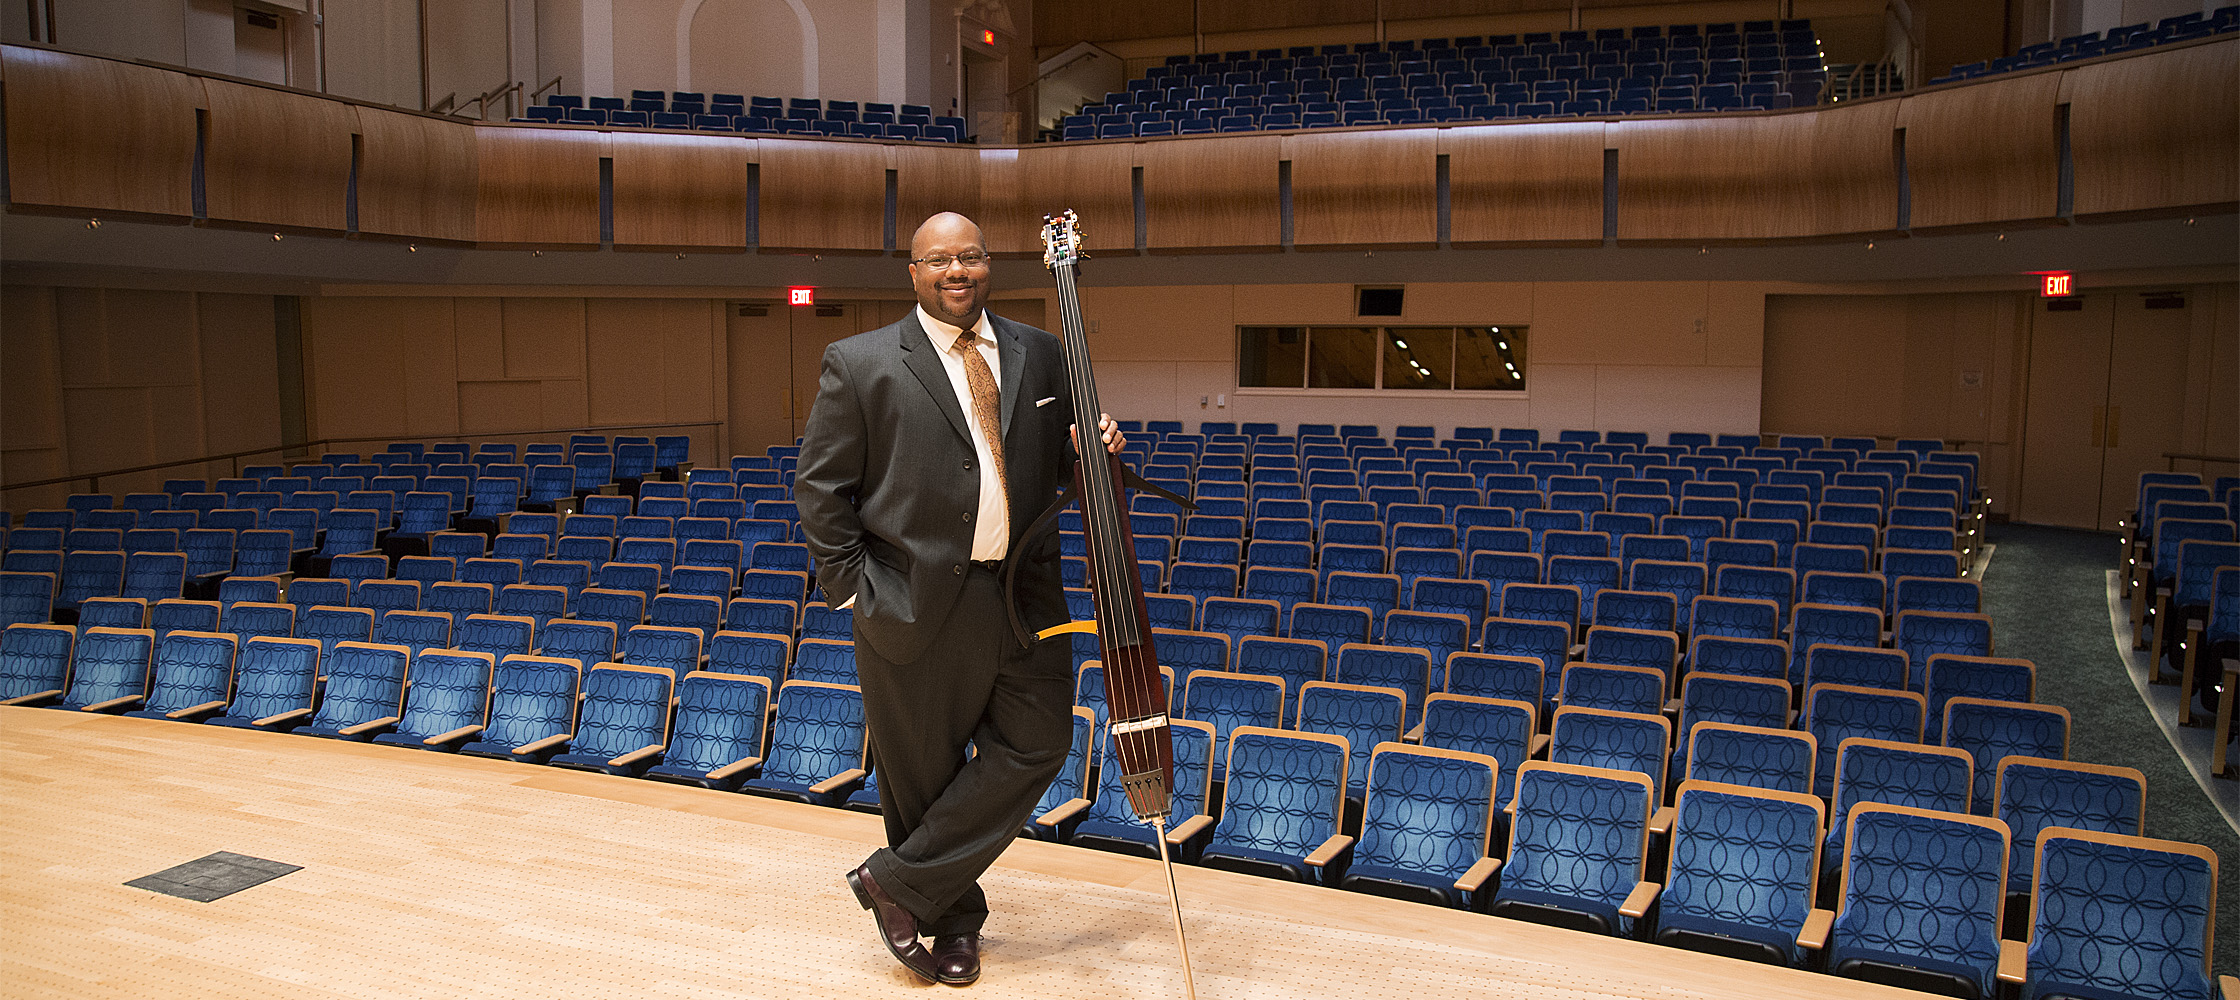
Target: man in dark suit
(931,441)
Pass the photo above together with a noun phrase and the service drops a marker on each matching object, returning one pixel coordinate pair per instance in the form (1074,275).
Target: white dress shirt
(991,526)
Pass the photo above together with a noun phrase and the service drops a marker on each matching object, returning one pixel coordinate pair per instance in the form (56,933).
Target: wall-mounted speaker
(1376,300)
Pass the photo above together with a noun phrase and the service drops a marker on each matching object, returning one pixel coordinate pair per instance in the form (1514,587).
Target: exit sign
(2056,284)
(801,296)
(987,37)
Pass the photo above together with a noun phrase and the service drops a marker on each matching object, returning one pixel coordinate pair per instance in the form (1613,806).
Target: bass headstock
(1061,240)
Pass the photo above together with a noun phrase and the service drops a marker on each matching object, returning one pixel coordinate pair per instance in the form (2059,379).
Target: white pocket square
(1045,401)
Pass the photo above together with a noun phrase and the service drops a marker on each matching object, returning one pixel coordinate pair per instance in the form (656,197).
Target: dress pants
(948,818)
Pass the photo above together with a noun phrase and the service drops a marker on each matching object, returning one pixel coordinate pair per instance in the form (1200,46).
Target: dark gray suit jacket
(887,482)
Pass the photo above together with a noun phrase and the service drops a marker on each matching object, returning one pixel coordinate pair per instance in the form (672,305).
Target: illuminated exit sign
(987,37)
(2056,284)
(801,296)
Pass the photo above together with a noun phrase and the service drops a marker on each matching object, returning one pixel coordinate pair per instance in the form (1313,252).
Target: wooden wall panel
(1854,169)
(822,195)
(1092,179)
(682,191)
(416,176)
(1212,193)
(1364,189)
(931,179)
(2157,130)
(1524,183)
(543,338)
(1001,182)
(240,366)
(276,158)
(96,134)
(1987,152)
(537,187)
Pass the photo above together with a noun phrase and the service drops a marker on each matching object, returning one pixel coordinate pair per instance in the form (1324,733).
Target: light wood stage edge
(427,875)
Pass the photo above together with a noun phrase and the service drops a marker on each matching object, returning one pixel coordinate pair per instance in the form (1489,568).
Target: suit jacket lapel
(924,361)
(1011,353)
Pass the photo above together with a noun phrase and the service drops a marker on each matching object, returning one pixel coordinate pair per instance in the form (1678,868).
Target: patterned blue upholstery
(754,654)
(1442,635)
(1490,675)
(818,735)
(1548,642)
(531,698)
(365,683)
(1405,669)
(1928,593)
(332,625)
(1295,660)
(1741,657)
(1858,666)
(1898,774)
(192,669)
(34,661)
(539,604)
(1426,820)
(1659,651)
(625,709)
(1653,611)
(108,664)
(719,723)
(458,600)
(1330,624)
(1188,652)
(1832,625)
(587,643)
(384,596)
(1743,872)
(1612,688)
(1281,802)
(1238,619)
(450,691)
(622,607)
(2121,917)
(1363,716)
(676,649)
(1750,756)
(1226,701)
(1072,781)
(1921,900)
(1578,845)
(1541,603)
(250,619)
(1837,712)
(1498,728)
(308,593)
(1617,741)
(414,630)
(1729,698)
(2035,793)
(272,676)
(1994,730)
(1851,590)
(26,598)
(824,661)
(1109,823)
(1923,634)
(1990,677)
(1737,617)
(497,635)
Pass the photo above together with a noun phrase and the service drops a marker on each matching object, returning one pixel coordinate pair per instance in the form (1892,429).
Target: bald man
(931,442)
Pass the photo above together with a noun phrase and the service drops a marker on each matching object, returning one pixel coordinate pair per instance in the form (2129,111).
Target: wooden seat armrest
(1477,875)
(290,715)
(539,746)
(208,706)
(839,781)
(369,725)
(1329,850)
(460,733)
(1538,748)
(32,697)
(1578,651)
(103,706)
(740,766)
(1637,902)
(1672,706)
(2228,987)
(1660,822)
(1187,829)
(1814,933)
(2014,961)
(1414,735)
(634,756)
(1061,812)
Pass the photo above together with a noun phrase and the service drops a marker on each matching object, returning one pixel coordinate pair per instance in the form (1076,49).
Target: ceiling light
(1504,345)
(1401,344)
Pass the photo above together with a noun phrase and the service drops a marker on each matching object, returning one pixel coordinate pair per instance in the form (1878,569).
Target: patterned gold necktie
(982,382)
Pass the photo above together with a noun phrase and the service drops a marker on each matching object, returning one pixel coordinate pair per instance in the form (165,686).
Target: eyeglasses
(940,262)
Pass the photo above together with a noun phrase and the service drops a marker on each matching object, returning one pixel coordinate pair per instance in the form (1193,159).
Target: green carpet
(2046,593)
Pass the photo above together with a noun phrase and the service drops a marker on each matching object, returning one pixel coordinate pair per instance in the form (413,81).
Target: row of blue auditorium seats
(2177,28)
(1312,85)
(750,124)
(1457,90)
(684,102)
(1583,106)
(1788,33)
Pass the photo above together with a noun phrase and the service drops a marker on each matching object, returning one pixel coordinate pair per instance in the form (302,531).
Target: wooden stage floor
(427,875)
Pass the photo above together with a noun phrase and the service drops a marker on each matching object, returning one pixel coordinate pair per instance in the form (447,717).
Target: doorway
(2106,401)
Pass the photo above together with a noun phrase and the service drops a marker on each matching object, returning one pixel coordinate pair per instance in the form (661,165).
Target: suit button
(957,569)
(968,466)
(968,517)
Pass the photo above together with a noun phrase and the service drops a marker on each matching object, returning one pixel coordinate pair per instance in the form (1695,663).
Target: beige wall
(485,367)
(373,51)
(100,379)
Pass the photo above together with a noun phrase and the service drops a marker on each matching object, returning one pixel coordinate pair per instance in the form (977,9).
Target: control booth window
(1396,358)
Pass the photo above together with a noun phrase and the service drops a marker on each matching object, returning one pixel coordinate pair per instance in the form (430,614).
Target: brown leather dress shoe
(896,926)
(957,958)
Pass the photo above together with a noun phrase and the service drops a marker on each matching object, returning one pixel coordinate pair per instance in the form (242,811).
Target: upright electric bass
(1142,741)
